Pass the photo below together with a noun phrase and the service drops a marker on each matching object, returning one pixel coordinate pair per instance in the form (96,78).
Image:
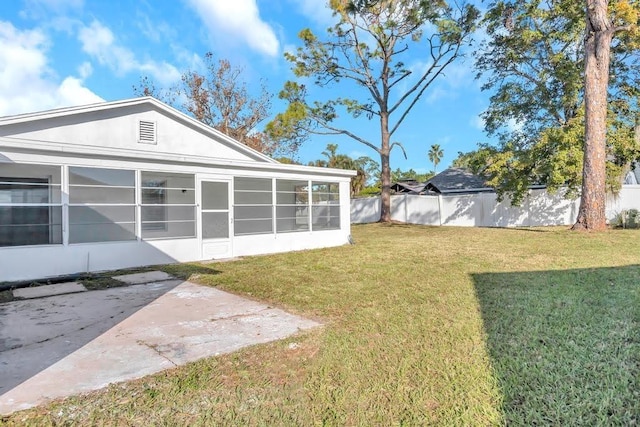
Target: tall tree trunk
(385,178)
(591,215)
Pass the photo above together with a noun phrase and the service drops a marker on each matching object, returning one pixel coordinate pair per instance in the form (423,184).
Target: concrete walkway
(63,345)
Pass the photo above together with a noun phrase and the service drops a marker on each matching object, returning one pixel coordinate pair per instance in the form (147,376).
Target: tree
(534,61)
(400,175)
(219,98)
(601,26)
(365,167)
(435,154)
(364,52)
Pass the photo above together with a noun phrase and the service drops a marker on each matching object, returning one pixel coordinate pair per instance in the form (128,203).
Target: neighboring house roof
(452,180)
(411,187)
(456,180)
(459,180)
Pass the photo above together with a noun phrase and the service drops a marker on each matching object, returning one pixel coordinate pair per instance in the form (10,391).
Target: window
(325,205)
(253,206)
(168,205)
(292,206)
(101,205)
(30,205)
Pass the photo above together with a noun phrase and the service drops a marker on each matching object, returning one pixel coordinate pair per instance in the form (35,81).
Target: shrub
(627,219)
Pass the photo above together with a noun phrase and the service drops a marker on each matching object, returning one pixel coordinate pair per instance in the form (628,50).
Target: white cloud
(458,74)
(85,70)
(354,154)
(44,9)
(153,30)
(26,82)
(57,5)
(456,77)
(514,126)
(477,122)
(238,19)
(438,93)
(72,92)
(99,42)
(317,11)
(186,58)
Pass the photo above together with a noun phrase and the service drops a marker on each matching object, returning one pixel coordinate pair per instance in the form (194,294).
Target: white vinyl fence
(483,210)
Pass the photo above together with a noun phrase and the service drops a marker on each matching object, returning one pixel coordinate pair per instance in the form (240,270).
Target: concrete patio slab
(147,277)
(49,290)
(82,342)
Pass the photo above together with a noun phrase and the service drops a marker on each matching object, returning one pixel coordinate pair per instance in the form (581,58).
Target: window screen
(292,206)
(168,205)
(101,205)
(30,205)
(253,206)
(325,205)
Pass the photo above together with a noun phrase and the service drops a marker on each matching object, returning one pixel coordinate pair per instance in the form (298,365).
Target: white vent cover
(147,133)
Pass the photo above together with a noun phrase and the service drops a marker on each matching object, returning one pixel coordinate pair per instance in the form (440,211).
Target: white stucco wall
(119,129)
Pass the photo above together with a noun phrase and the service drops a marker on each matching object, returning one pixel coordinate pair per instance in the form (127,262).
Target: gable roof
(412,187)
(70,112)
(47,132)
(456,180)
(452,180)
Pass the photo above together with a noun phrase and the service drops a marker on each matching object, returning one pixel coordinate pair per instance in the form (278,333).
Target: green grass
(423,326)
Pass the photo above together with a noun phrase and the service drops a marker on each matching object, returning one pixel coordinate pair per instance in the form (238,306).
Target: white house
(136,182)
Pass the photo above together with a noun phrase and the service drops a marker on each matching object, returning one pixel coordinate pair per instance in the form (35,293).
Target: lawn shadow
(565,345)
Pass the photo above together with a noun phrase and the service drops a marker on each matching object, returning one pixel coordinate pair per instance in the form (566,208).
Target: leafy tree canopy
(400,175)
(533,63)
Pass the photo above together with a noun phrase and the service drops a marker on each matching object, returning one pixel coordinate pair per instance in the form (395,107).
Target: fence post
(440,209)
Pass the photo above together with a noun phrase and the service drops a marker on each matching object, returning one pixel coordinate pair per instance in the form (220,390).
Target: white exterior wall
(105,136)
(483,210)
(119,130)
(36,262)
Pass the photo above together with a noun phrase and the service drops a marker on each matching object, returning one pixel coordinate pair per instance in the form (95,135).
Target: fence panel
(483,210)
(364,211)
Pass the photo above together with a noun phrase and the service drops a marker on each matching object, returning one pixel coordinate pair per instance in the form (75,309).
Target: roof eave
(56,148)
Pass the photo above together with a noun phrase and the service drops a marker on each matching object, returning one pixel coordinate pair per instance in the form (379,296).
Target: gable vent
(147,132)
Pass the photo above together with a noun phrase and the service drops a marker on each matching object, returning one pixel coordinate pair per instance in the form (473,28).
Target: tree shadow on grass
(565,345)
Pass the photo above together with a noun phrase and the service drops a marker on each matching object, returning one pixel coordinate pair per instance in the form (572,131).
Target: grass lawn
(423,326)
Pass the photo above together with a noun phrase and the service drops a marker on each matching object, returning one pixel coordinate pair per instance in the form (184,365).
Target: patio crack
(242,315)
(154,347)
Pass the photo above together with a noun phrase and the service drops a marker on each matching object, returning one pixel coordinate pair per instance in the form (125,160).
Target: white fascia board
(57,148)
(178,115)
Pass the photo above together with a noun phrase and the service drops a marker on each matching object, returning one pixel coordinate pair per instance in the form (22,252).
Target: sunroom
(135,183)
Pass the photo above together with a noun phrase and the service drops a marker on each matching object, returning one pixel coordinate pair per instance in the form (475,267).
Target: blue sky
(56,53)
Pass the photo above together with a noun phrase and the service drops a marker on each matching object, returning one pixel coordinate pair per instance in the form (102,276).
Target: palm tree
(435,154)
(364,166)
